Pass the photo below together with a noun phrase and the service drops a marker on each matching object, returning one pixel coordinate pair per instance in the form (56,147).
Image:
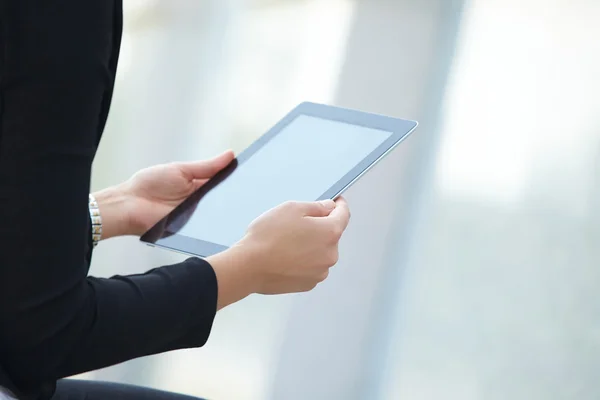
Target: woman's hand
(136,205)
(288,249)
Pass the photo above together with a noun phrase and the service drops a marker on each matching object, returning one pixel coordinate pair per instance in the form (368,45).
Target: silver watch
(96,220)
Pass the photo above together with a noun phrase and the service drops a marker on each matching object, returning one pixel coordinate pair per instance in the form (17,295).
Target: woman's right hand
(287,249)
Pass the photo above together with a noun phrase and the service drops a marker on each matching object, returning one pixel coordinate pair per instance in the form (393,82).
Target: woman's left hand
(148,196)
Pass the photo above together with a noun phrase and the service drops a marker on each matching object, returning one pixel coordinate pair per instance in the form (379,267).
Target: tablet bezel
(399,128)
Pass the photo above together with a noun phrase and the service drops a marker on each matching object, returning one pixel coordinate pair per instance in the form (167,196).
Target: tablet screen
(303,161)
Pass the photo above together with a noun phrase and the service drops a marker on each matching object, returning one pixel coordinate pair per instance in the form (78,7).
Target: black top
(57,67)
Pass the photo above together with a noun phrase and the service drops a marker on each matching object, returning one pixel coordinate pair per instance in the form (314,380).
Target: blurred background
(471,268)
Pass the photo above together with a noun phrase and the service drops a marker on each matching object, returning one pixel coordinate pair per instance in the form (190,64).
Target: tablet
(315,152)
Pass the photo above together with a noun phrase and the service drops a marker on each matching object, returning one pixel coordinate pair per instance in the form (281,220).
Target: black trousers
(86,390)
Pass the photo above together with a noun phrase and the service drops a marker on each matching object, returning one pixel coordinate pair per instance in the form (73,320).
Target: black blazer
(58,60)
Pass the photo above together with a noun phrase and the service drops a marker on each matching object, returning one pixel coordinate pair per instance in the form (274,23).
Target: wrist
(237,277)
(113,206)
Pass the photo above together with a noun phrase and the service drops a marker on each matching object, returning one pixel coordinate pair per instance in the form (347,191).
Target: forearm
(235,275)
(102,322)
(113,203)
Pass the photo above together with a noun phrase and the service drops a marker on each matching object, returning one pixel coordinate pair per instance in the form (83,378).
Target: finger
(205,169)
(340,214)
(316,208)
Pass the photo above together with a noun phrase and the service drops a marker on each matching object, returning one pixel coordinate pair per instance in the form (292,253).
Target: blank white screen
(301,163)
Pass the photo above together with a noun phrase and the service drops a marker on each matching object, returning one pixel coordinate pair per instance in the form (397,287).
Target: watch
(96,220)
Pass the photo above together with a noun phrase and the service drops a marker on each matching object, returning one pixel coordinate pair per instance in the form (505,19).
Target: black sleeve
(56,75)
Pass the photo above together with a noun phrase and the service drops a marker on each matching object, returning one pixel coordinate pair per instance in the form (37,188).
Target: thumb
(205,169)
(318,208)
(341,213)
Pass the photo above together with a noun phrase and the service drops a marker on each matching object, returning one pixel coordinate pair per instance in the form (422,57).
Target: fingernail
(328,204)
